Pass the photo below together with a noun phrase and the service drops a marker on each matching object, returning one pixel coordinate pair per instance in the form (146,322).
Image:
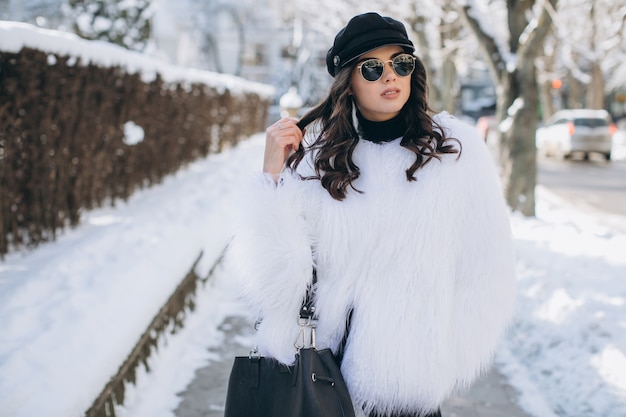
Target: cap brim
(402,44)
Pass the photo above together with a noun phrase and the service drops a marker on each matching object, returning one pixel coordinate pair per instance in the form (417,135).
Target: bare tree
(591,47)
(513,70)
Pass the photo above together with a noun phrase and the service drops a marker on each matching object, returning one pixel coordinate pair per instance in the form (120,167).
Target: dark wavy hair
(337,139)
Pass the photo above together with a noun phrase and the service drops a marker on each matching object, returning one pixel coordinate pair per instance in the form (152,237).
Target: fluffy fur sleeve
(485,262)
(270,258)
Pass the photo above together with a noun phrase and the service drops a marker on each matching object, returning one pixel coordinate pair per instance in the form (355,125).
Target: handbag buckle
(254,353)
(306,337)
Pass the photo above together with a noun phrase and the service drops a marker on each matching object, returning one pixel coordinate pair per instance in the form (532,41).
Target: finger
(286,124)
(281,139)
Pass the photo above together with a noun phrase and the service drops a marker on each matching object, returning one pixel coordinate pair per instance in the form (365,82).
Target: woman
(403,218)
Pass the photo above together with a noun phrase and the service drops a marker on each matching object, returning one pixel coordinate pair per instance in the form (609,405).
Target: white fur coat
(427,266)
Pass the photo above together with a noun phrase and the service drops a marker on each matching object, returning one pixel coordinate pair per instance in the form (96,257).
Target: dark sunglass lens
(372,69)
(404,65)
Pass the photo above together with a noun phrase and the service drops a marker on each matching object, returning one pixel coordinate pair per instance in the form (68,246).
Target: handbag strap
(307,311)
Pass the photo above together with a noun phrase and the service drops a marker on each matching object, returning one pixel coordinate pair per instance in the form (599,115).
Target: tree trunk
(595,92)
(517,95)
(518,151)
(448,30)
(422,49)
(547,100)
(550,98)
(441,74)
(575,96)
(448,86)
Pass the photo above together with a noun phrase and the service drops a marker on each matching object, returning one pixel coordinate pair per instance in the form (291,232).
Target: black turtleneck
(380,132)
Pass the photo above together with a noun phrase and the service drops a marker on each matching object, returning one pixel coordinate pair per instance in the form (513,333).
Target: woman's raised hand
(281,139)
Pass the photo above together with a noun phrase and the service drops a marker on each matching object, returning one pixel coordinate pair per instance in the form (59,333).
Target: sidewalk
(491,396)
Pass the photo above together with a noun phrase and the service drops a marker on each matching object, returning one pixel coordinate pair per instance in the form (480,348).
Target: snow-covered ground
(71,310)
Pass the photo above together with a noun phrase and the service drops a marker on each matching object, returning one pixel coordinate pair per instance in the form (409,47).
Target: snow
(15,35)
(291,99)
(72,310)
(133,133)
(570,327)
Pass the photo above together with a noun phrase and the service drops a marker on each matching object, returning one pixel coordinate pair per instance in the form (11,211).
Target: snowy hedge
(83,123)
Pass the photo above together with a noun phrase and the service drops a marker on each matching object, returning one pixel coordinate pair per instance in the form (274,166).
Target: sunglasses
(372,69)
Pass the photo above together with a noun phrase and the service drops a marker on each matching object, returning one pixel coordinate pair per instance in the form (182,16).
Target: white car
(582,131)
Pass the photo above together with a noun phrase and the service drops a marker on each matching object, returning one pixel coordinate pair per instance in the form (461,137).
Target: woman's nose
(388,72)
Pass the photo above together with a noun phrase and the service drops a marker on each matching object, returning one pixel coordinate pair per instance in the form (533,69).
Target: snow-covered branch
(493,54)
(536,32)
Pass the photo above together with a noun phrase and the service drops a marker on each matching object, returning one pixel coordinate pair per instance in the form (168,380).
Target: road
(594,185)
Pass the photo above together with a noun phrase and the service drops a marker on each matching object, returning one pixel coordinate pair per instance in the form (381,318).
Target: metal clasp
(306,335)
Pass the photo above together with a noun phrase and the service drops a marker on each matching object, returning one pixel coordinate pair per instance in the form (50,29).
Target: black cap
(362,34)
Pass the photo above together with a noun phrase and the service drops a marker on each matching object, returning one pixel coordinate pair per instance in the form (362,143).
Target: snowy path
(205,393)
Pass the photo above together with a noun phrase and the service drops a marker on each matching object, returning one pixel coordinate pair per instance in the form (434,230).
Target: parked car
(582,131)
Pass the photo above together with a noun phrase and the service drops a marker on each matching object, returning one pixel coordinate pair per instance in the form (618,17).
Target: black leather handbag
(312,387)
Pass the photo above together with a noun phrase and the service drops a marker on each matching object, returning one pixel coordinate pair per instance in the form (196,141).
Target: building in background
(248,39)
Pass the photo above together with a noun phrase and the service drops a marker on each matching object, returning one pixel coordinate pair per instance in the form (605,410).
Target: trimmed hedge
(62,141)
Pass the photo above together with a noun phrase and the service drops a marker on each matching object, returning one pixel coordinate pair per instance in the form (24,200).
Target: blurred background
(283,43)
